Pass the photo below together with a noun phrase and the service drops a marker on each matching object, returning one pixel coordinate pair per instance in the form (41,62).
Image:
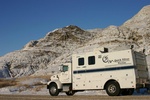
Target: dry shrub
(7,82)
(46,77)
(38,88)
(22,87)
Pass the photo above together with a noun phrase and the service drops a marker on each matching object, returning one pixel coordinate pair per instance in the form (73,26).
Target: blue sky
(24,20)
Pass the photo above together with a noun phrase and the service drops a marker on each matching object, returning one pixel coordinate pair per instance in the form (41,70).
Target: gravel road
(76,97)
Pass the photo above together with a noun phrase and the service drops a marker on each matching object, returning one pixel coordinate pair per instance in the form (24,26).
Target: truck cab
(61,81)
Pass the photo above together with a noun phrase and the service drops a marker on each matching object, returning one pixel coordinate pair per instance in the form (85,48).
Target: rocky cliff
(44,55)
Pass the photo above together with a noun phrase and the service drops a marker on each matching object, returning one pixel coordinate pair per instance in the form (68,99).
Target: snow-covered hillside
(42,57)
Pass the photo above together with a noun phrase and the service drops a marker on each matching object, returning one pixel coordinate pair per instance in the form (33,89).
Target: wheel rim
(112,88)
(53,90)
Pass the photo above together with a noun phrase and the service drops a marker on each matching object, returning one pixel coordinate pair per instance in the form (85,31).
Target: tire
(70,93)
(113,88)
(53,90)
(127,92)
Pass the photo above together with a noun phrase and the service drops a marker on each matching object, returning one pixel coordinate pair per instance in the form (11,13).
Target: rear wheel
(113,88)
(53,90)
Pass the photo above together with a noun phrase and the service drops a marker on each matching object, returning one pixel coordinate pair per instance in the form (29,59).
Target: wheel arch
(111,80)
(57,82)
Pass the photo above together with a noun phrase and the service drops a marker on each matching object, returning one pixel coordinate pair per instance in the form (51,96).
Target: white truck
(119,73)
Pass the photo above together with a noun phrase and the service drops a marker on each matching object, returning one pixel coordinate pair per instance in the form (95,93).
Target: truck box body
(103,67)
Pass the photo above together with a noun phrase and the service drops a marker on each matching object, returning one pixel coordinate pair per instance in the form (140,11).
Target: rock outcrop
(44,55)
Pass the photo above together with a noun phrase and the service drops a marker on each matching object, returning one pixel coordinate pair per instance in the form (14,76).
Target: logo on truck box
(106,59)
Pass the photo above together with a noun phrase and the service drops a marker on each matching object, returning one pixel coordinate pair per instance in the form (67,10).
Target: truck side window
(91,60)
(81,61)
(65,68)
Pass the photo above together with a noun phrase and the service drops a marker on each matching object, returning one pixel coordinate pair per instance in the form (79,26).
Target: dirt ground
(76,97)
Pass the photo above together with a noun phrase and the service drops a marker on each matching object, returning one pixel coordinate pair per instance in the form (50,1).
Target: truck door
(79,69)
(65,75)
(93,79)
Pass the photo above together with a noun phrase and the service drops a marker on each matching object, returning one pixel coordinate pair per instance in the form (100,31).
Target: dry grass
(47,77)
(39,88)
(17,82)
(7,82)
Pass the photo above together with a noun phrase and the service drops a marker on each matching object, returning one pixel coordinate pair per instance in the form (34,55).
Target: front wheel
(113,88)
(53,90)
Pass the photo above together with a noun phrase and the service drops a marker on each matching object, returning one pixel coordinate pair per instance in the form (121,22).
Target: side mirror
(61,68)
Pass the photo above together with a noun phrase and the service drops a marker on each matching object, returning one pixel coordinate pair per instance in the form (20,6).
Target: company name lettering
(105,59)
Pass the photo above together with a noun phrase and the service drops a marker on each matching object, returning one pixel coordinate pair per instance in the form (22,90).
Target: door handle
(84,66)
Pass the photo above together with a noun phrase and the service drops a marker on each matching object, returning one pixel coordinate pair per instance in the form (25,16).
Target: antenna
(132,46)
(143,50)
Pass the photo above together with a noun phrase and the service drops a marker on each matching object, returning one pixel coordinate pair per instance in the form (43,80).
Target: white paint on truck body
(117,66)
